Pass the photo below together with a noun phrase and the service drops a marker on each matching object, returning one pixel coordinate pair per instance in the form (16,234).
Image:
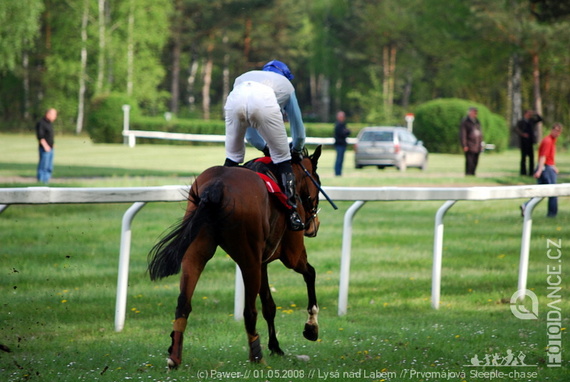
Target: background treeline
(376,60)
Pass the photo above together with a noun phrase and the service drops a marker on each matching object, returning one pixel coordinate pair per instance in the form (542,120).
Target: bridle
(309,204)
(313,212)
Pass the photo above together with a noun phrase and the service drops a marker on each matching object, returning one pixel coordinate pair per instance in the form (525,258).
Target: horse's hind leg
(252,283)
(269,310)
(195,259)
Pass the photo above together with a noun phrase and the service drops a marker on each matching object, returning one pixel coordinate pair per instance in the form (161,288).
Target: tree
(19,26)
(83,70)
(527,28)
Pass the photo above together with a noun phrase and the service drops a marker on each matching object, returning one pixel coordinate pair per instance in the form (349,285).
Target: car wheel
(402,166)
(424,165)
(358,166)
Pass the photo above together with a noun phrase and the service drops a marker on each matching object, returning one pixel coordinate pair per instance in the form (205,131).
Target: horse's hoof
(311,332)
(277,352)
(172,365)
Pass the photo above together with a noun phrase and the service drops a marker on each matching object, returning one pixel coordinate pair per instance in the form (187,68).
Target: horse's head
(308,192)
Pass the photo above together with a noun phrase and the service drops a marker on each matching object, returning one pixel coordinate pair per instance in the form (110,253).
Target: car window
(377,136)
(407,137)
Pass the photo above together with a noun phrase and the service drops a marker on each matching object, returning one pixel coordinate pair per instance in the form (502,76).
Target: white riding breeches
(252,104)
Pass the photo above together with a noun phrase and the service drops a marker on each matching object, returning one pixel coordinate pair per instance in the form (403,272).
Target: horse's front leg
(295,257)
(311,331)
(269,311)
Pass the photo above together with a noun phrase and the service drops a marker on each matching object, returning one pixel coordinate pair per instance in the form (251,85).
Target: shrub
(497,132)
(437,124)
(105,117)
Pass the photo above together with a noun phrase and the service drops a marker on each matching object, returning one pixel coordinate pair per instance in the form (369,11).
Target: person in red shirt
(546,172)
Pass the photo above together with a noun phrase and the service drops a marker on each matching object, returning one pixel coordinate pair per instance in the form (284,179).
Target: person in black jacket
(526,132)
(471,138)
(341,132)
(45,135)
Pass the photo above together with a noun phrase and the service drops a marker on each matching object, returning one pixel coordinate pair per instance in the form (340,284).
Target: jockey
(254,110)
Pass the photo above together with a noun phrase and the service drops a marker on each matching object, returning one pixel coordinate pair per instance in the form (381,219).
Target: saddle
(265,169)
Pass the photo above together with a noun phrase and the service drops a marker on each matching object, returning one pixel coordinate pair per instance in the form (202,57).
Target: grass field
(58,267)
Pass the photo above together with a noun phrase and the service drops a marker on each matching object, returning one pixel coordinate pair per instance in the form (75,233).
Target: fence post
(239,296)
(438,253)
(345,257)
(124,258)
(525,244)
(126,136)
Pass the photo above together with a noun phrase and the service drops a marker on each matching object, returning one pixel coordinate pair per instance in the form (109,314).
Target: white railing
(359,195)
(132,135)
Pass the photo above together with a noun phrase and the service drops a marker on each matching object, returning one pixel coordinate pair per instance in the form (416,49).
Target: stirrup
(294,222)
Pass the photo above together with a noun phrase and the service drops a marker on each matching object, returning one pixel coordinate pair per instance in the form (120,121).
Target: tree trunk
(175,80)
(226,70)
(314,92)
(389,69)
(536,92)
(338,94)
(386,76)
(392,79)
(207,82)
(516,96)
(102,45)
(176,53)
(247,43)
(83,70)
(191,82)
(407,91)
(325,98)
(130,48)
(26,83)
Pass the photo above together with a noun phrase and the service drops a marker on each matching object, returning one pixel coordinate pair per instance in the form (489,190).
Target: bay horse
(230,207)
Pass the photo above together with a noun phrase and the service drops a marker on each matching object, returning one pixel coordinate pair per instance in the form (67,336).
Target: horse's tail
(165,258)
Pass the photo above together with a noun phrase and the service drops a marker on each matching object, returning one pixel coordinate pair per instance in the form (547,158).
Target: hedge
(105,123)
(105,117)
(437,124)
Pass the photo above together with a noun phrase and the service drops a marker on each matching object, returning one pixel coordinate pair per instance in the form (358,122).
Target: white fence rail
(132,135)
(360,195)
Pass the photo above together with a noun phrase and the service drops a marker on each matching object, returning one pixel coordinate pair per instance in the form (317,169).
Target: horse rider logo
(498,360)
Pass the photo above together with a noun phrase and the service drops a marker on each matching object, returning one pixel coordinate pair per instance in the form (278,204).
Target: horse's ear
(316,155)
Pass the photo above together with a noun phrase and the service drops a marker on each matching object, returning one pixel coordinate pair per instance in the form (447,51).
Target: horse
(231,208)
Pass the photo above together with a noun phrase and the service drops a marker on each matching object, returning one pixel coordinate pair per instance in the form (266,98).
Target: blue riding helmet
(279,68)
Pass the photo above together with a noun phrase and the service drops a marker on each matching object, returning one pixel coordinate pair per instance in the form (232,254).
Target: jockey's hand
(266,151)
(296,156)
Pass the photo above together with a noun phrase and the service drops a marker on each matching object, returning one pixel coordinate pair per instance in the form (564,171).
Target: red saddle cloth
(272,187)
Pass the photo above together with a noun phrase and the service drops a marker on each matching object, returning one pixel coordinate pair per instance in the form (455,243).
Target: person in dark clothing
(471,138)
(45,135)
(527,134)
(341,132)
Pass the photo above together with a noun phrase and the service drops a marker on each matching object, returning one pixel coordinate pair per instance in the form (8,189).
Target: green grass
(58,274)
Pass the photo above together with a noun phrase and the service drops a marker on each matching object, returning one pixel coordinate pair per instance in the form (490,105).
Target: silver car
(389,146)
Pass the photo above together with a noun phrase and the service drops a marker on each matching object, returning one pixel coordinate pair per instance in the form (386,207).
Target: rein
(318,186)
